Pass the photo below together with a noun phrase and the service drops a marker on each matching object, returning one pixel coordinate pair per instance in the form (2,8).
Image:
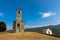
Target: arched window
(18,25)
(48,32)
(19,11)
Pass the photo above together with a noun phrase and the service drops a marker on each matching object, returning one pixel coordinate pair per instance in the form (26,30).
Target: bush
(2,27)
(10,31)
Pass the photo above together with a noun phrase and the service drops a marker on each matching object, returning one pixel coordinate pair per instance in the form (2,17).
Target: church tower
(18,24)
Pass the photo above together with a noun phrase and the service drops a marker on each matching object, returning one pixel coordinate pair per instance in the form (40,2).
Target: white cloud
(47,14)
(1,14)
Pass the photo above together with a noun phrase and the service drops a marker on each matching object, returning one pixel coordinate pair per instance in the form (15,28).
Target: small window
(19,11)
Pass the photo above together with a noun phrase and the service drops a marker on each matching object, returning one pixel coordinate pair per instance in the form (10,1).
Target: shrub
(2,26)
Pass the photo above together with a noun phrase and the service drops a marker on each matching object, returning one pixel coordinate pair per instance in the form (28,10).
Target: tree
(2,26)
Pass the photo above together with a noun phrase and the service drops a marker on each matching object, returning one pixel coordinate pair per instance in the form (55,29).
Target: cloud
(47,14)
(1,14)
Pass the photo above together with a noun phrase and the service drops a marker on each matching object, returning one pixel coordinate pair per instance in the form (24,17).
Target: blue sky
(35,13)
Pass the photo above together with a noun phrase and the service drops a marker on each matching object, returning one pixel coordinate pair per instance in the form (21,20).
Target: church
(18,24)
(47,31)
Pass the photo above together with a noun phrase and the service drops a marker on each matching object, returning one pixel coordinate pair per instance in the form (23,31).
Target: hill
(55,29)
(26,36)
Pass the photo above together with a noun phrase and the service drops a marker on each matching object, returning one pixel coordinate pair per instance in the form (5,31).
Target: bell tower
(18,20)
(18,25)
(19,15)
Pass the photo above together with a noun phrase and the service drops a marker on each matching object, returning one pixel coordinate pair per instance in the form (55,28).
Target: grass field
(26,36)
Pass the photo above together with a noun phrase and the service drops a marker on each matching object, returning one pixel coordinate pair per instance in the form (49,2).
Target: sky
(35,13)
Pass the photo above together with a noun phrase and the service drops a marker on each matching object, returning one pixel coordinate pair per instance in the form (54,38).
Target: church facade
(47,31)
(18,24)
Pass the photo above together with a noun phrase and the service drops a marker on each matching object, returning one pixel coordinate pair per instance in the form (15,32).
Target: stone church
(47,31)
(18,24)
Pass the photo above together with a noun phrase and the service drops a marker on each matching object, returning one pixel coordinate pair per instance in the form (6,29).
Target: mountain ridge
(55,29)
